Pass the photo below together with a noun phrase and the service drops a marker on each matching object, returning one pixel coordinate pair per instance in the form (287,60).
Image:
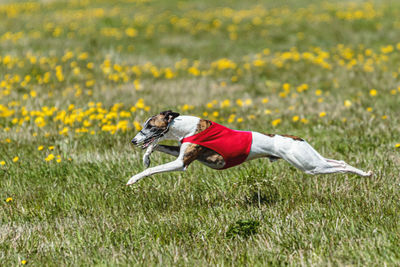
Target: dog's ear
(170,115)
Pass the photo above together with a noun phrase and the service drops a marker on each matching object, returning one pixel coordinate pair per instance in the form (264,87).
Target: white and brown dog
(219,147)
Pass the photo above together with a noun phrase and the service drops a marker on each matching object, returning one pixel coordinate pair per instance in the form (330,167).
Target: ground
(77,79)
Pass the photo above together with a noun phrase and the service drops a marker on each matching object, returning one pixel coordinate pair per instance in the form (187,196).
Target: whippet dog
(219,147)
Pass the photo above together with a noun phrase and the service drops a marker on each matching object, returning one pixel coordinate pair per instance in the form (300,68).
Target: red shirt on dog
(234,146)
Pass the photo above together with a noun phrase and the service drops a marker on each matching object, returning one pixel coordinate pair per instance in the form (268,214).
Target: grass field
(77,79)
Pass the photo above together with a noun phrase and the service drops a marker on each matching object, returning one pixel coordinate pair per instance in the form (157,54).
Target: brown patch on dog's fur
(270,135)
(158,121)
(202,125)
(209,156)
(163,119)
(191,154)
(296,138)
(201,153)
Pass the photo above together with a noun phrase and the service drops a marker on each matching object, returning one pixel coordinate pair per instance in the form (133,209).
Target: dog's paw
(146,162)
(132,180)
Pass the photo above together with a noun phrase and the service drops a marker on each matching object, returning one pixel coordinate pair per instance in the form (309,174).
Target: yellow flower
(40,148)
(131,32)
(347,103)
(384,117)
(397,145)
(373,92)
(318,92)
(49,157)
(51,147)
(23,262)
(2,163)
(265,100)
(240,119)
(40,122)
(286,87)
(248,102)
(15,159)
(137,125)
(295,118)
(303,120)
(369,109)
(9,199)
(276,122)
(64,131)
(322,114)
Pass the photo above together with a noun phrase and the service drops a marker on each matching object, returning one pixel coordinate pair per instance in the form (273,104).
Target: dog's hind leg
(300,154)
(306,158)
(339,166)
(170,150)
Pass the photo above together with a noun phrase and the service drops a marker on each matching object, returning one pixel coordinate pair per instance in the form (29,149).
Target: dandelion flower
(397,145)
(2,163)
(303,120)
(373,92)
(49,157)
(9,199)
(40,148)
(295,118)
(276,122)
(347,103)
(322,114)
(23,262)
(15,159)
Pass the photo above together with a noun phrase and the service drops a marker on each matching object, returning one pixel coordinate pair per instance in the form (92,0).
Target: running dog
(219,147)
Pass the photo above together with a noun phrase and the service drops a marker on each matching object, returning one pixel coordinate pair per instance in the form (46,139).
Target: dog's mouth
(146,143)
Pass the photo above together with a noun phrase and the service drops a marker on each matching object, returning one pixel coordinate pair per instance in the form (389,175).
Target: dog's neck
(181,127)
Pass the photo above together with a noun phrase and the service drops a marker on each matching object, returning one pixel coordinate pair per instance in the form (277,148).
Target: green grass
(79,211)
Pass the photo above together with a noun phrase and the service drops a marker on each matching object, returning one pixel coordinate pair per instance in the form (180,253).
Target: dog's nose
(134,142)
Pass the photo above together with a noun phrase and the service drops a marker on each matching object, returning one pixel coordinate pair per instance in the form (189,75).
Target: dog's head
(154,128)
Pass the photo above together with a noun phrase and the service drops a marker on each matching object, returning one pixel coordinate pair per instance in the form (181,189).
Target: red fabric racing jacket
(234,146)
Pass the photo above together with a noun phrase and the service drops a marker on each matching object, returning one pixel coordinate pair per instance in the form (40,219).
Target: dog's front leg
(176,165)
(146,155)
